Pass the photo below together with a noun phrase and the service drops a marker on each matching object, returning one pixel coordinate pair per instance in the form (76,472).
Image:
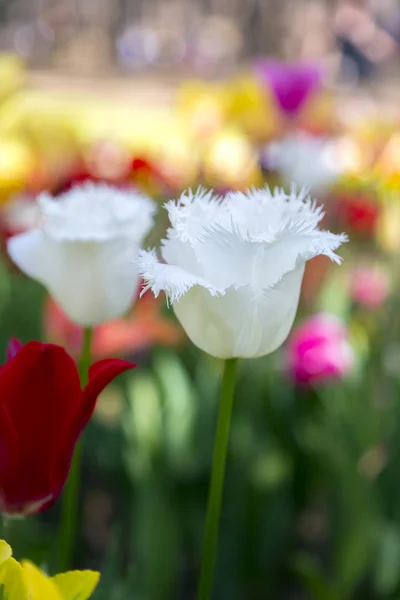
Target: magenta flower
(319,350)
(291,83)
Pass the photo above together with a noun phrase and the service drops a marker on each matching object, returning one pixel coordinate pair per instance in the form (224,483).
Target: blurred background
(159,95)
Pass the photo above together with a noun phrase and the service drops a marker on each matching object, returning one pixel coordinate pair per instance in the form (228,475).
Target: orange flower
(143,328)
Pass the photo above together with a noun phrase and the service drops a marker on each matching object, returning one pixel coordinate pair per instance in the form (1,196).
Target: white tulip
(233,267)
(84,249)
(309,160)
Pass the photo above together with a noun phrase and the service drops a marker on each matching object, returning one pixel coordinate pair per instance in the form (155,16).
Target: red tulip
(42,414)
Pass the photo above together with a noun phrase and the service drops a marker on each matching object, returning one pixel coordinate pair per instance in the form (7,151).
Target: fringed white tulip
(84,248)
(232,270)
(234,266)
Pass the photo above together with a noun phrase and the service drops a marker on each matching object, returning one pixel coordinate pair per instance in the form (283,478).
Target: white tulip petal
(260,251)
(174,281)
(31,252)
(278,310)
(175,252)
(239,324)
(93,282)
(226,258)
(285,255)
(96,212)
(193,211)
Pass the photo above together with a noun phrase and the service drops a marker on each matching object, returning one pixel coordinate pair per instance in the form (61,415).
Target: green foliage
(312,496)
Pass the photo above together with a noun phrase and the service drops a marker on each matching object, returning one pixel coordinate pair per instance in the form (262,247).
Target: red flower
(107,162)
(359,212)
(42,414)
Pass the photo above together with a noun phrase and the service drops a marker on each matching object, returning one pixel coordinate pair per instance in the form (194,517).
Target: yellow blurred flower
(252,108)
(360,182)
(203,105)
(24,581)
(16,166)
(388,163)
(389,222)
(319,114)
(12,75)
(230,160)
(46,127)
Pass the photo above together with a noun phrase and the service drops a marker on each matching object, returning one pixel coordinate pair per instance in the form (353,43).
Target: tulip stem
(217,482)
(70,498)
(85,359)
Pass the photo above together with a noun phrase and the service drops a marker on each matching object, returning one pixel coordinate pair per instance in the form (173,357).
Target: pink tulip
(319,350)
(369,286)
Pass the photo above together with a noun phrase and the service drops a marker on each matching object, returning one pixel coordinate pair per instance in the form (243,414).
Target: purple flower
(291,83)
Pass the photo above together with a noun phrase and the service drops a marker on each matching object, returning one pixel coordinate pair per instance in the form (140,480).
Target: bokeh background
(159,95)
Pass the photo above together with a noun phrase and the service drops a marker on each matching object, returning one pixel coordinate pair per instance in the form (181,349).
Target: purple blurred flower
(291,83)
(319,350)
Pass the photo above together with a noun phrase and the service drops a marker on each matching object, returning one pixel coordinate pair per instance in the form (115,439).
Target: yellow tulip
(24,581)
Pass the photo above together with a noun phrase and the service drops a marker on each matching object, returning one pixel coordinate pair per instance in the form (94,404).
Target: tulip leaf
(156,539)
(387,570)
(143,424)
(178,408)
(315,581)
(355,545)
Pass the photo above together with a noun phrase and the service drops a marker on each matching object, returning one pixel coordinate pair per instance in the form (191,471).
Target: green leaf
(179,409)
(334,297)
(315,581)
(155,536)
(387,566)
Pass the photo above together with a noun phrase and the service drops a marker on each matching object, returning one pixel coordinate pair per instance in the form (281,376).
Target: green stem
(217,483)
(69,503)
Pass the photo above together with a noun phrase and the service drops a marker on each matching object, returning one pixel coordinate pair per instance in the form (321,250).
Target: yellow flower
(203,105)
(389,222)
(12,75)
(24,581)
(252,108)
(16,166)
(230,160)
